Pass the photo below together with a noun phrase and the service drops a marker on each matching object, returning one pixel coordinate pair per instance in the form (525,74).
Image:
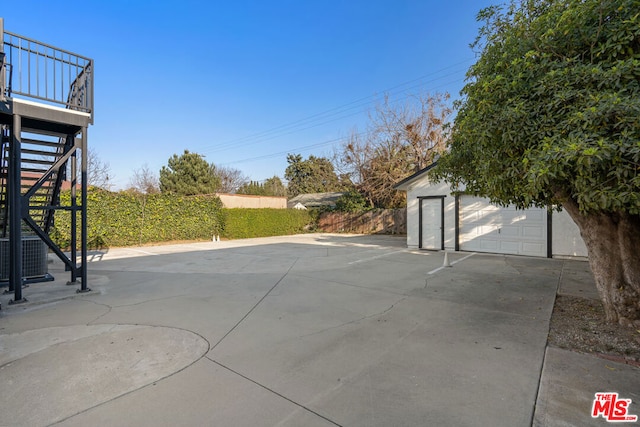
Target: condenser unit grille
(34,258)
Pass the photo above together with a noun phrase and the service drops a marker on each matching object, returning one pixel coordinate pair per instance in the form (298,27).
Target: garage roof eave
(404,184)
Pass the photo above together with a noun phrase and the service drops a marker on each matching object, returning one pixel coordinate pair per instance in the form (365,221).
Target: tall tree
(275,187)
(230,179)
(270,187)
(98,172)
(314,175)
(144,181)
(415,127)
(253,188)
(400,140)
(549,116)
(189,174)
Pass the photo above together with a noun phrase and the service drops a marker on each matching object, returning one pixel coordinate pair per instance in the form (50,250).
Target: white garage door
(488,228)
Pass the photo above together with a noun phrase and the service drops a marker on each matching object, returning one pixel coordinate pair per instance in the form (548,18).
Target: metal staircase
(46,106)
(38,155)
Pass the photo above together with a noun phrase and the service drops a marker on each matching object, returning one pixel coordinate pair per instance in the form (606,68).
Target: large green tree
(550,116)
(189,174)
(314,175)
(253,188)
(275,187)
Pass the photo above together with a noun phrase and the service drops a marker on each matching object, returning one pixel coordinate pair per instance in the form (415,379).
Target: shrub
(126,219)
(123,219)
(244,223)
(351,201)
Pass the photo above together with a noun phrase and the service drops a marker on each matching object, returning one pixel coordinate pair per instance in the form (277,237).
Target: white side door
(431,223)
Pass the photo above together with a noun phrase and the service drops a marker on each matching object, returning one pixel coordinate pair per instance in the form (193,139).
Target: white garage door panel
(488,245)
(534,248)
(535,214)
(510,231)
(506,247)
(488,228)
(536,232)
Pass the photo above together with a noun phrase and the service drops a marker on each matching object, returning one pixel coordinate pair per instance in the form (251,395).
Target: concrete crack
(300,405)
(352,285)
(150,300)
(255,305)
(109,308)
(381,313)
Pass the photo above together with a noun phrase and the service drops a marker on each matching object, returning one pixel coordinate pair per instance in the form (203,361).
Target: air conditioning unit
(34,259)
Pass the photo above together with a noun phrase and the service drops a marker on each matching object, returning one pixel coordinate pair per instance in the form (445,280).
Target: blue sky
(244,82)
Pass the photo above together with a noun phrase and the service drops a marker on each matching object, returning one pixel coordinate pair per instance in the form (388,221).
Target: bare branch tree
(144,181)
(400,140)
(230,179)
(98,172)
(417,125)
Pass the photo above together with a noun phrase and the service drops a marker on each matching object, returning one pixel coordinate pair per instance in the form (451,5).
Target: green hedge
(244,223)
(126,219)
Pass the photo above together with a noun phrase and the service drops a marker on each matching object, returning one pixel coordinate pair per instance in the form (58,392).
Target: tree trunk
(613,244)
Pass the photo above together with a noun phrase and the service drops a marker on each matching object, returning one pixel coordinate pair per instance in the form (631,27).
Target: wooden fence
(379,221)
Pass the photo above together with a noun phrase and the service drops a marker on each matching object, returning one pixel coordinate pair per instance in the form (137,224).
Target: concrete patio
(308,330)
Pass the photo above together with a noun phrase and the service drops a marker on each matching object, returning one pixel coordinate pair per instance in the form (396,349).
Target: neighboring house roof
(404,184)
(315,200)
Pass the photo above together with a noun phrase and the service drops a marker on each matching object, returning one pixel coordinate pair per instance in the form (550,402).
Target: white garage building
(439,218)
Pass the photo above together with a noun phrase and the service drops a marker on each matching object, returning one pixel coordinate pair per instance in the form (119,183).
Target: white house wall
(423,188)
(565,240)
(566,236)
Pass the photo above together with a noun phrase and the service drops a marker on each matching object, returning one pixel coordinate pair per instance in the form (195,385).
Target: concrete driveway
(308,330)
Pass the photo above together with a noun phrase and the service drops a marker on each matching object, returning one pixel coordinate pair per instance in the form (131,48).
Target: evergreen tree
(188,174)
(314,175)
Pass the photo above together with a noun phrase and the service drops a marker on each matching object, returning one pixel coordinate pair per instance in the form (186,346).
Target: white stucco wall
(566,240)
(422,188)
(231,201)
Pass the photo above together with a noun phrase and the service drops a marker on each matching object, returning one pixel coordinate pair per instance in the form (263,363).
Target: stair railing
(45,73)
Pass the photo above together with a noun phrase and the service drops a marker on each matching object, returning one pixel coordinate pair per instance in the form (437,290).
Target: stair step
(43,188)
(45,184)
(32,180)
(40,152)
(42,143)
(37,161)
(34,170)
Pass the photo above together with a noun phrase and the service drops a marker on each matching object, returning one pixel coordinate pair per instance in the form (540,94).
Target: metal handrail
(43,72)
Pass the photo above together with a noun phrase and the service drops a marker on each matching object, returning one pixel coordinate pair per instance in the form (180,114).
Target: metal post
(74,212)
(2,73)
(83,196)
(15,212)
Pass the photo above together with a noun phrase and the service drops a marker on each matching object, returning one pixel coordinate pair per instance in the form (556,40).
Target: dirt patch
(579,324)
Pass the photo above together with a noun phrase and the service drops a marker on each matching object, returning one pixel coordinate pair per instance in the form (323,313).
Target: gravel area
(579,324)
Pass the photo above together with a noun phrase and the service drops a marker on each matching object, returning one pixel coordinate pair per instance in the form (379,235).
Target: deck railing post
(2,73)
